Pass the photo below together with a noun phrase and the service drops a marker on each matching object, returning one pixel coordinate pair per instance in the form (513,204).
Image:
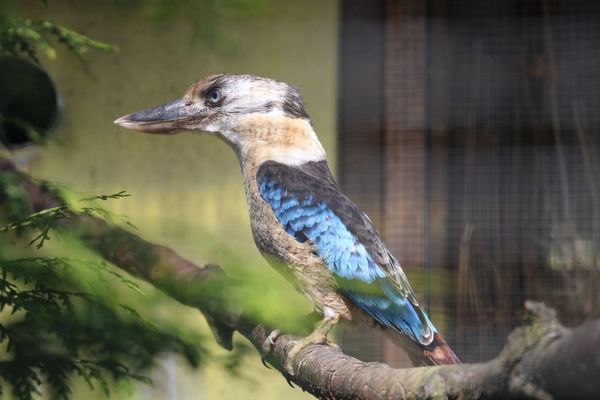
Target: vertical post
(361,128)
(382,151)
(405,144)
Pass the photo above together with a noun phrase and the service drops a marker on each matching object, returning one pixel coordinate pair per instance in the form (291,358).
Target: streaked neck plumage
(261,137)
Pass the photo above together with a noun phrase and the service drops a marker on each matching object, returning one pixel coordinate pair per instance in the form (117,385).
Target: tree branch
(541,360)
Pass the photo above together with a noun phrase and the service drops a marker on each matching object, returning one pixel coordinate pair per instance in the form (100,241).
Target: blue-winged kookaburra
(300,218)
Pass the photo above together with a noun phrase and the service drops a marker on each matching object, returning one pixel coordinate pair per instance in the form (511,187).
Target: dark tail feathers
(438,352)
(435,353)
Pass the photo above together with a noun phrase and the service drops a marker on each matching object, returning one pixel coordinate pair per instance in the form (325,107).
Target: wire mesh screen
(489,159)
(514,117)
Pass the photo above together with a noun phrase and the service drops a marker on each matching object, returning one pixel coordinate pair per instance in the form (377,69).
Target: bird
(301,220)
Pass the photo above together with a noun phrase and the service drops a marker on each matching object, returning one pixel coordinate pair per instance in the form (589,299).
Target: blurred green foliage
(57,318)
(49,218)
(22,36)
(56,321)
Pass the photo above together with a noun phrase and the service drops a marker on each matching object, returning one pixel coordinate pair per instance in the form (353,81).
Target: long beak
(165,119)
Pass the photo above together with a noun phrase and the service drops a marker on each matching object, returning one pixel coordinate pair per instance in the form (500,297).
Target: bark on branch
(541,360)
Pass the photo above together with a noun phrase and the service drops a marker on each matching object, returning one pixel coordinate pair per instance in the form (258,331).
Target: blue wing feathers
(359,276)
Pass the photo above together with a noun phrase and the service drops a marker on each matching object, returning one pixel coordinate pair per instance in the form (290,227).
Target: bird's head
(258,117)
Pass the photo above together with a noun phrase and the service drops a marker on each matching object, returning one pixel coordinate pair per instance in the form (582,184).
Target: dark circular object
(214,97)
(29,103)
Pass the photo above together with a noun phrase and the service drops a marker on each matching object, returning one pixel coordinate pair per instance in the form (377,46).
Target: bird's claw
(267,346)
(288,366)
(273,336)
(332,345)
(299,345)
(263,360)
(318,336)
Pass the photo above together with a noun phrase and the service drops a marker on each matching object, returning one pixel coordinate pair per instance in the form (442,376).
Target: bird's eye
(214,96)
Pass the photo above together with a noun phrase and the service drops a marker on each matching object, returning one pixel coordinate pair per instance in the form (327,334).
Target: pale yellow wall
(186,189)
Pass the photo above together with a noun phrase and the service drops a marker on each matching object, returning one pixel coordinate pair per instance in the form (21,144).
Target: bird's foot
(268,345)
(318,336)
(299,345)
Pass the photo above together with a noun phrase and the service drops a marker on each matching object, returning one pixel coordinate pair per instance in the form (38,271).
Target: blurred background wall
(468,133)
